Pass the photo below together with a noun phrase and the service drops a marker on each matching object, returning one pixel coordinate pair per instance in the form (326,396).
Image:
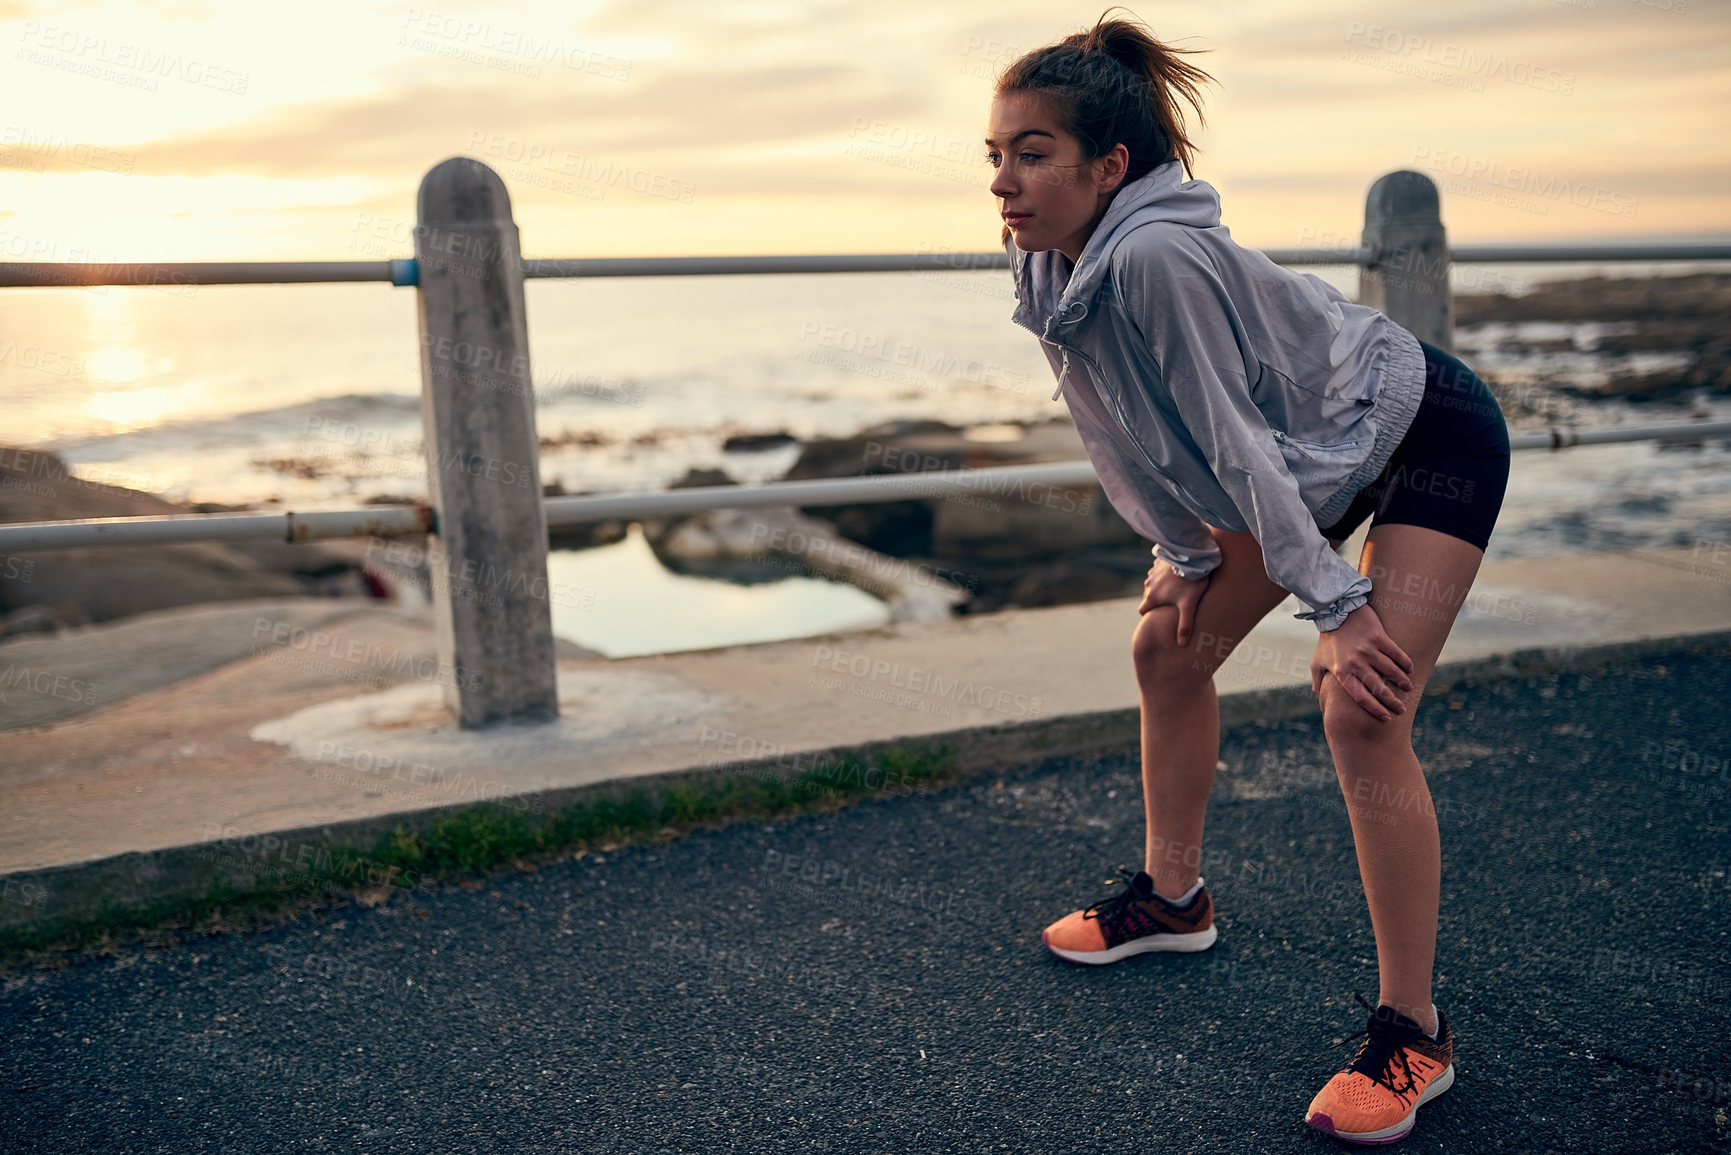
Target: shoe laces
(1115,906)
(1384,1046)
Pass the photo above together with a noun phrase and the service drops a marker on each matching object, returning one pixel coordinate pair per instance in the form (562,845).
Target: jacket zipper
(1118,416)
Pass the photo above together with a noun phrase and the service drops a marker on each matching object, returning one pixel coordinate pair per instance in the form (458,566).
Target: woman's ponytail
(1117,84)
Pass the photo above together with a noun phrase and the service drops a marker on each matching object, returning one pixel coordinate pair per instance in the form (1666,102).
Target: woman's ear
(1110,169)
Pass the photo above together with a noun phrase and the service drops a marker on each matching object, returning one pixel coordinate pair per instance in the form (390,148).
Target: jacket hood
(1051,299)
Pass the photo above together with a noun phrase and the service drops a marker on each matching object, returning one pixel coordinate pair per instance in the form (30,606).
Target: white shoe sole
(1399,1131)
(1147,944)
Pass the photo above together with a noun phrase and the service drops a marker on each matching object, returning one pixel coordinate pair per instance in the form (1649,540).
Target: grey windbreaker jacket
(1211,386)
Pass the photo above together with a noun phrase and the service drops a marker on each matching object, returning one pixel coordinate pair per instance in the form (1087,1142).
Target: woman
(1246,418)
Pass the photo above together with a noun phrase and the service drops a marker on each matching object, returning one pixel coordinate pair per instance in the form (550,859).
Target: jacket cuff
(1188,570)
(1332,617)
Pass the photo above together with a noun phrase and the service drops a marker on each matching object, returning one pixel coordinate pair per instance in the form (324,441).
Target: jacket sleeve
(1175,298)
(1181,539)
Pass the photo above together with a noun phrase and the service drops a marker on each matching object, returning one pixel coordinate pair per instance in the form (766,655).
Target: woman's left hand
(1366,662)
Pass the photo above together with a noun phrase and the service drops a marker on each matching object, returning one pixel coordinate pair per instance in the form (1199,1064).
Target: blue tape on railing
(405,273)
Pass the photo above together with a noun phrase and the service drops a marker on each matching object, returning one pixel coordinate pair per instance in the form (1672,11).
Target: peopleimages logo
(503,48)
(1524,180)
(918,360)
(922,687)
(47,683)
(1421,56)
(124,62)
(24,148)
(580,167)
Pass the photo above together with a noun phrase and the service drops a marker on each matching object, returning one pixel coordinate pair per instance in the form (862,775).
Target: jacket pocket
(1329,453)
(1319,467)
(1355,387)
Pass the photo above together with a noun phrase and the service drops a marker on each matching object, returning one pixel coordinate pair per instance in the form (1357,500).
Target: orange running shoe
(1397,1070)
(1134,921)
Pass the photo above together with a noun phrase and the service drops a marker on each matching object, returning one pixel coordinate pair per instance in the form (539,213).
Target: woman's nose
(1002,185)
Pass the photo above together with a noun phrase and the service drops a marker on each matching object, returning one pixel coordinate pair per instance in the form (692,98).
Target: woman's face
(1048,195)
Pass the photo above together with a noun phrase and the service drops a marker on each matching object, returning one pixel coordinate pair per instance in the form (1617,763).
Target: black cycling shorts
(1451,469)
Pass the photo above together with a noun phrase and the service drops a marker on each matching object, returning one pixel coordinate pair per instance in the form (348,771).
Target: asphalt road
(872,980)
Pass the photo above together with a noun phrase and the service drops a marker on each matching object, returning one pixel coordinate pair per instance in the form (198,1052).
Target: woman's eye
(992,159)
(1030,158)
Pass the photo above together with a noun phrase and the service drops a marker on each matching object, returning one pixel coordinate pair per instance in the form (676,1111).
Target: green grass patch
(463,845)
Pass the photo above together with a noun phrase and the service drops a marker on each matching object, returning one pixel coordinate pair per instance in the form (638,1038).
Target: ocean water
(307,397)
(309,394)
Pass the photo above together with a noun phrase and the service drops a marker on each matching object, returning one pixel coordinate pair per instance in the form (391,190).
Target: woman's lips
(1015,220)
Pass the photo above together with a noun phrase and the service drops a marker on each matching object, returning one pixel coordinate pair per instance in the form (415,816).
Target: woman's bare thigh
(1239,595)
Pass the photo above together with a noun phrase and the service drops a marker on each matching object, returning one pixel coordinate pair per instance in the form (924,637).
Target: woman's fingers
(1384,692)
(1380,639)
(1386,657)
(1186,619)
(1361,693)
(1147,594)
(1369,689)
(1385,665)
(1395,652)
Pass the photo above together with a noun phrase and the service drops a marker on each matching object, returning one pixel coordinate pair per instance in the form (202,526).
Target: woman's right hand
(1163,587)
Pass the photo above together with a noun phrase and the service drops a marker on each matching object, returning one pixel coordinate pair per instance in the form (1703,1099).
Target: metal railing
(469,278)
(564,512)
(406,272)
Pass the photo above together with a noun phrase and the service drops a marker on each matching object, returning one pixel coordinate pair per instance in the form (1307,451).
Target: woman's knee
(1159,659)
(1348,726)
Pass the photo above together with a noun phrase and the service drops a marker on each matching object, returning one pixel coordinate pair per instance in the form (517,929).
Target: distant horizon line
(1630,240)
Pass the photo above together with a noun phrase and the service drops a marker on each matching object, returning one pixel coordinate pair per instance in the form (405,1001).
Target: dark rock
(698,478)
(105,582)
(1020,544)
(587,535)
(1688,315)
(657,529)
(807,546)
(1642,299)
(757,442)
(900,528)
(50,618)
(864,454)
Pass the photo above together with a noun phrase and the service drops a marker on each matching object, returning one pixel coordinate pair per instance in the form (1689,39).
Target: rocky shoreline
(52,590)
(1686,317)
(1023,544)
(963,553)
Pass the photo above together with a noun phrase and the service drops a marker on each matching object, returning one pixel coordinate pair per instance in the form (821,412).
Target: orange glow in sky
(188,130)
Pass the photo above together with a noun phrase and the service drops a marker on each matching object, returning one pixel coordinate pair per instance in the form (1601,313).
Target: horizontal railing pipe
(405,272)
(1562,437)
(817,491)
(750,266)
(180,529)
(42,274)
(398,521)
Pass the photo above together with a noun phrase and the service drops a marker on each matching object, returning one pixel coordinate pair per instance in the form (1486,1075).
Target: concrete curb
(38,899)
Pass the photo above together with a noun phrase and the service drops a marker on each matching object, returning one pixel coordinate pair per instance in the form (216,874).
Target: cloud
(407,127)
(758,103)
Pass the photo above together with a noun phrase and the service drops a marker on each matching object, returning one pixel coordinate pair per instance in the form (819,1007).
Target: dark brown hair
(1116,84)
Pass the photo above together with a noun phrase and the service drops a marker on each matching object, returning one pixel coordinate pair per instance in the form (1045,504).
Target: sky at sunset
(187,130)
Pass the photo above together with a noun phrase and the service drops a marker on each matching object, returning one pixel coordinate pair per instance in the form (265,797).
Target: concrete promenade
(872,979)
(127,747)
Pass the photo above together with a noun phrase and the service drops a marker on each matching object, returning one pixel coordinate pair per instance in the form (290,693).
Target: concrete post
(1405,267)
(487,556)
